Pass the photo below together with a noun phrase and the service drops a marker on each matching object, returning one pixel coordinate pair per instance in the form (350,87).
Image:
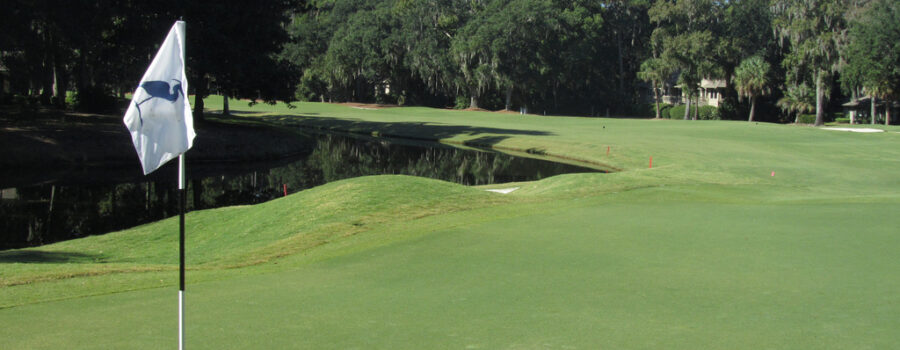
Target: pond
(91,201)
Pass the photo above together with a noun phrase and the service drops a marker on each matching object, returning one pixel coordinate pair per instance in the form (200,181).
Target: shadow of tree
(39,256)
(425,131)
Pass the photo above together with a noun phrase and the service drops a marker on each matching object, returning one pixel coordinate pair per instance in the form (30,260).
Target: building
(860,109)
(711,92)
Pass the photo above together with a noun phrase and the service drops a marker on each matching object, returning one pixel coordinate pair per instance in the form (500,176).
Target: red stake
(285,190)
(607,151)
(651,162)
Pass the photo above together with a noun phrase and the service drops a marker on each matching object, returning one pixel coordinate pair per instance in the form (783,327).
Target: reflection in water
(35,215)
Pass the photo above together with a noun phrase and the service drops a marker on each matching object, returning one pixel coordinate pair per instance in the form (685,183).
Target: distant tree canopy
(100,48)
(569,57)
(541,54)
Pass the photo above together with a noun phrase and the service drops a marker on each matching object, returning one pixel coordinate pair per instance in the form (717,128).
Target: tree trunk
(697,108)
(621,73)
(656,97)
(50,212)
(820,99)
(509,97)
(197,189)
(874,108)
(887,113)
(752,107)
(687,108)
(473,101)
(62,84)
(555,98)
(225,108)
(47,81)
(359,89)
(199,93)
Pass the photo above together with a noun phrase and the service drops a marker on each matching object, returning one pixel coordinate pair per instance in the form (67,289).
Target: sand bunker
(854,129)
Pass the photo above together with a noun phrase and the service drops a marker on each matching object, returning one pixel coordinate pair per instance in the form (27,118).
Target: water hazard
(96,201)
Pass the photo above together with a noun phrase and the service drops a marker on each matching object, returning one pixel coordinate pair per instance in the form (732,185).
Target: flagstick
(181,253)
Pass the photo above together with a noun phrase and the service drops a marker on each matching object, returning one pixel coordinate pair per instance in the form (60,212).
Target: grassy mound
(240,236)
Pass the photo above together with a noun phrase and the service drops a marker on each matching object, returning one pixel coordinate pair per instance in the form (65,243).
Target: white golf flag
(159,116)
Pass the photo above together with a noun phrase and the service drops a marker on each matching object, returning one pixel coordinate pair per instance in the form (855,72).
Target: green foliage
(642,110)
(751,77)
(873,52)
(709,113)
(797,99)
(461,102)
(842,120)
(687,37)
(530,53)
(806,119)
(705,112)
(664,110)
(814,33)
(677,112)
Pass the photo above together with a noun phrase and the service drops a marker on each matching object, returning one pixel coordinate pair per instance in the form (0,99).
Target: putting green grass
(704,250)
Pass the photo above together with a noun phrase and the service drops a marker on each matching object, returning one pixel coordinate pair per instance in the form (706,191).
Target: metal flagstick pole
(170,134)
(182,201)
(181,253)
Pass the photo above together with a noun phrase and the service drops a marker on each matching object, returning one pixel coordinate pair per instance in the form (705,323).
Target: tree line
(780,58)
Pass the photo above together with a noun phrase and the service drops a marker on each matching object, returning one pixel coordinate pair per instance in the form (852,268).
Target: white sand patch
(503,190)
(854,129)
(365,108)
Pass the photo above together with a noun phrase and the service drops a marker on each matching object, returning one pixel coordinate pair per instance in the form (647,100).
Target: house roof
(865,101)
(713,83)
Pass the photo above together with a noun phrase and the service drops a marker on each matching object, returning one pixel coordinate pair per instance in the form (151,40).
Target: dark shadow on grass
(237,111)
(425,131)
(485,141)
(38,256)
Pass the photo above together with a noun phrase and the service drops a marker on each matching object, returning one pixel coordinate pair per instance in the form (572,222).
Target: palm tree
(797,99)
(655,71)
(751,79)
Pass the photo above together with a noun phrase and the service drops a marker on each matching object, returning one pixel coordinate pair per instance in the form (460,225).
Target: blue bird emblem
(159,89)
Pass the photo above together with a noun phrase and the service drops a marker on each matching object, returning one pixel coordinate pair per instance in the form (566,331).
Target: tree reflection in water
(41,214)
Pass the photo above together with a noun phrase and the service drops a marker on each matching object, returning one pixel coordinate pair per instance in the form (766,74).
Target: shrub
(664,110)
(462,102)
(842,120)
(70,98)
(806,119)
(642,110)
(709,113)
(676,112)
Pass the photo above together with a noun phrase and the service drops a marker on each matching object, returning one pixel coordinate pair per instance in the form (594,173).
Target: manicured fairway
(705,250)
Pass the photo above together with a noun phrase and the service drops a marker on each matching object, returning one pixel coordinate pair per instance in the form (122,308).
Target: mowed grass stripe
(554,280)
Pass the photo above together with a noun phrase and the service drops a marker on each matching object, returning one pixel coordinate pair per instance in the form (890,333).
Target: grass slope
(704,250)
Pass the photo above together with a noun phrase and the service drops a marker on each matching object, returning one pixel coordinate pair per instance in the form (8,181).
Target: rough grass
(704,250)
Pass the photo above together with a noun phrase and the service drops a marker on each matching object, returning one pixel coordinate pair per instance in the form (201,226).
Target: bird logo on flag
(159,89)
